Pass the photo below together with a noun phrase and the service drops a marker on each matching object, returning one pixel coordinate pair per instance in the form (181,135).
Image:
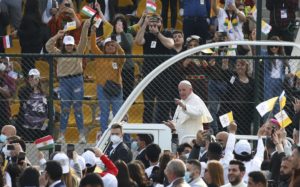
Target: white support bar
(142,85)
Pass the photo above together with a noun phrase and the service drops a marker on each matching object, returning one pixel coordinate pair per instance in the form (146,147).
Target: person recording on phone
(190,114)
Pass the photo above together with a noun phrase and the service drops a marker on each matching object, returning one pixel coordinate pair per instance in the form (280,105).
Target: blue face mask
(3,138)
(187,176)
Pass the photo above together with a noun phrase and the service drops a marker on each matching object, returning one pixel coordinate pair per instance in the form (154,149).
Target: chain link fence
(225,83)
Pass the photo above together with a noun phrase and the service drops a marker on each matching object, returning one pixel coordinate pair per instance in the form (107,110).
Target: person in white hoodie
(243,153)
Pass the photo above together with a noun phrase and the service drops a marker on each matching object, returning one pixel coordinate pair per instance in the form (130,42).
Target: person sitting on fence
(32,120)
(69,72)
(109,79)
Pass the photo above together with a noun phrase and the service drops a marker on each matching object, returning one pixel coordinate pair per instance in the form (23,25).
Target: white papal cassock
(189,121)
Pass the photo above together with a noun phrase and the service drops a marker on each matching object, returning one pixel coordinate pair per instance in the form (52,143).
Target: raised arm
(139,38)
(50,45)
(94,48)
(167,42)
(214,6)
(84,37)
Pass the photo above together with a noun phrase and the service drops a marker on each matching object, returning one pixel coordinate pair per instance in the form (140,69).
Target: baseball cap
(110,180)
(63,159)
(90,158)
(107,40)
(69,40)
(35,73)
(241,147)
(80,161)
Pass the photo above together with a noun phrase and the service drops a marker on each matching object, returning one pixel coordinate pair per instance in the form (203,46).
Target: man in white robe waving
(190,114)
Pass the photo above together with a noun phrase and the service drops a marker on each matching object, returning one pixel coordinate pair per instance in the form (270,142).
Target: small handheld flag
(7,41)
(266,106)
(70,26)
(44,143)
(283,119)
(151,6)
(282,100)
(88,11)
(226,119)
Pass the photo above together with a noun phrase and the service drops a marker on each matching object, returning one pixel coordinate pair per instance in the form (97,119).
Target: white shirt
(228,155)
(276,70)
(242,184)
(198,182)
(55,183)
(148,171)
(234,32)
(255,163)
(189,121)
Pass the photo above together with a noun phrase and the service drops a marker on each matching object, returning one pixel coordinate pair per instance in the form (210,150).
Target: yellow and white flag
(283,119)
(70,26)
(226,119)
(282,100)
(266,106)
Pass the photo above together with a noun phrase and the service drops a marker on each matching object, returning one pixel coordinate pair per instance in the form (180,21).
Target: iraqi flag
(151,6)
(7,41)
(44,143)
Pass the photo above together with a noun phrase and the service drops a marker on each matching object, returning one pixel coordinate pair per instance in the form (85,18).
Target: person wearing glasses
(274,70)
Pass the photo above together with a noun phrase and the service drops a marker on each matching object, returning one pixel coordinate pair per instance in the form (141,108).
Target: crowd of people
(224,85)
(203,88)
(208,160)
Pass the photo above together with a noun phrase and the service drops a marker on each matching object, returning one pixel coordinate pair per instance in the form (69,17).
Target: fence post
(51,93)
(258,67)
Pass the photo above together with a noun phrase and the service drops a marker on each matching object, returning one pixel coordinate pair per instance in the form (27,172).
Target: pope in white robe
(190,114)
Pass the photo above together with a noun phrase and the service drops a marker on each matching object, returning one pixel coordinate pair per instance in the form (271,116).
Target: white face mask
(115,139)
(187,155)
(6,152)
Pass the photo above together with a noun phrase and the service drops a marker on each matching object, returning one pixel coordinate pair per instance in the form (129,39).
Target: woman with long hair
(214,174)
(125,39)
(123,176)
(33,113)
(108,79)
(70,76)
(137,174)
(33,34)
(239,96)
(274,70)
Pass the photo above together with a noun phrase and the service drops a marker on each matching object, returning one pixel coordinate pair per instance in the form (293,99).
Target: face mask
(187,155)
(6,152)
(3,138)
(134,146)
(115,139)
(187,176)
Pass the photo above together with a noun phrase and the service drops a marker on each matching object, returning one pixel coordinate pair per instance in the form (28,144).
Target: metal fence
(214,78)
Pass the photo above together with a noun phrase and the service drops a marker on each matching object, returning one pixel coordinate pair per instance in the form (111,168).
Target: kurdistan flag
(44,143)
(151,6)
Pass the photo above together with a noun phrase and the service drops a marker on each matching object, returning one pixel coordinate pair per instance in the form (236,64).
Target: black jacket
(275,165)
(142,157)
(121,152)
(195,154)
(61,184)
(112,7)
